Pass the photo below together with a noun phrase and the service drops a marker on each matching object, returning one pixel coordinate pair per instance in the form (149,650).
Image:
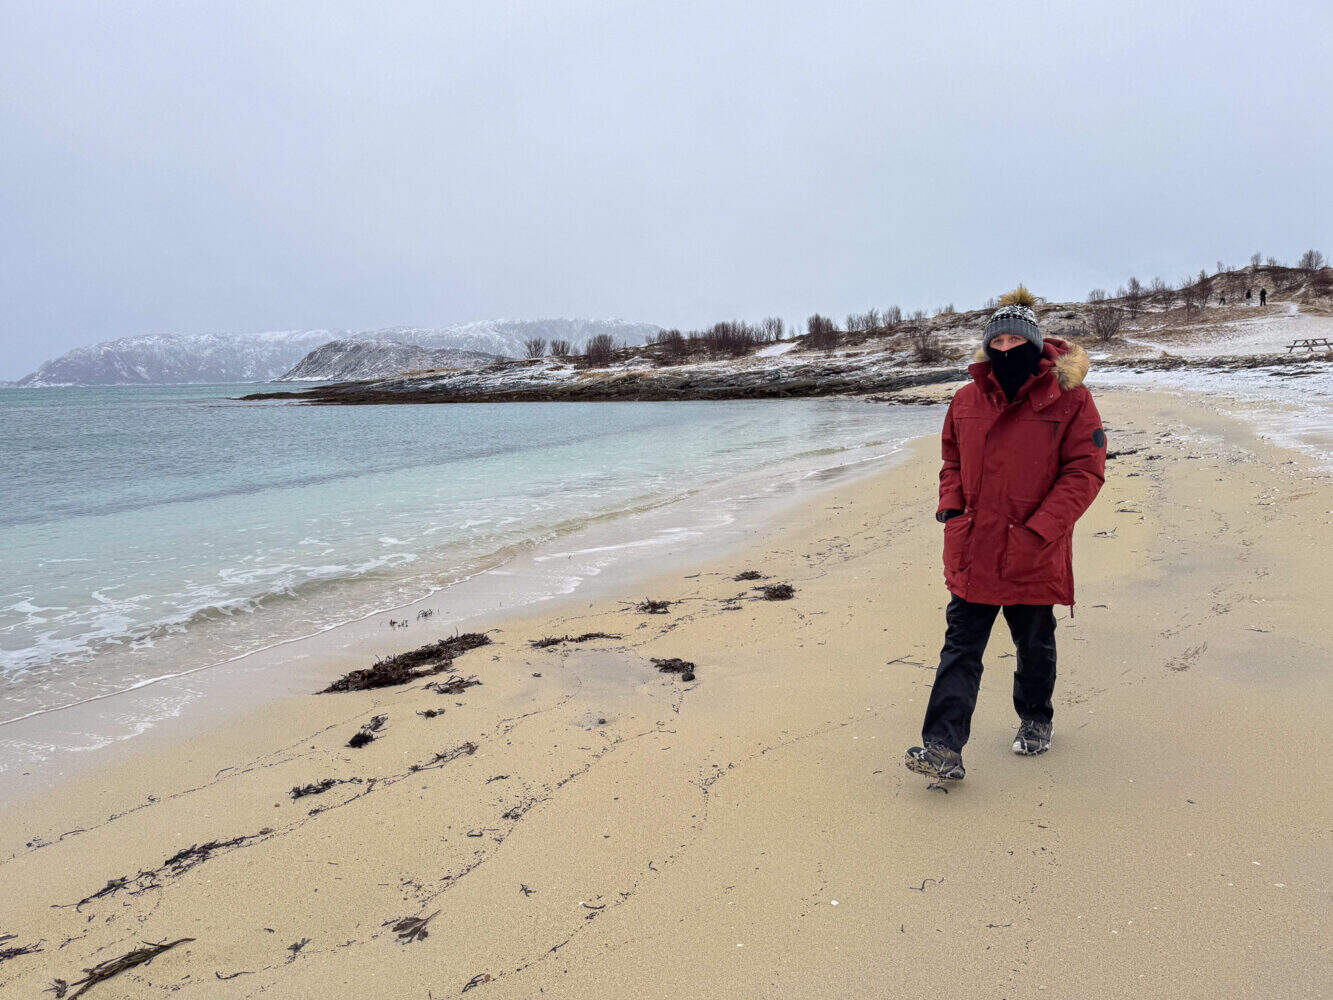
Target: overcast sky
(194,167)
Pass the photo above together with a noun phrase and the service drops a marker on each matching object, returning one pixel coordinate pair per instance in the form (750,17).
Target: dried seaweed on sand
(103,971)
(454,685)
(675,665)
(555,640)
(366,734)
(421,662)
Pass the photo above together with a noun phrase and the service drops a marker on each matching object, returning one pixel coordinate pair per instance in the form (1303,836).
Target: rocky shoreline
(547,381)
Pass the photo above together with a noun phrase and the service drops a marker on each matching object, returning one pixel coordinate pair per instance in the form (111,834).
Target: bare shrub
(1255,259)
(673,342)
(733,337)
(1195,292)
(1134,296)
(1311,260)
(820,333)
(1204,287)
(560,348)
(891,317)
(536,347)
(923,342)
(1162,293)
(772,328)
(946,310)
(599,350)
(867,322)
(1104,318)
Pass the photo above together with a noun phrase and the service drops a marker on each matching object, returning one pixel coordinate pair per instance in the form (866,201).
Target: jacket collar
(1063,366)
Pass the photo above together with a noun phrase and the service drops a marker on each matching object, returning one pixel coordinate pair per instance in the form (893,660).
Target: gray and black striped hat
(1013,319)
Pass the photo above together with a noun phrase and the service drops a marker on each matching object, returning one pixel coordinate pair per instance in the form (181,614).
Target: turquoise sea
(148,531)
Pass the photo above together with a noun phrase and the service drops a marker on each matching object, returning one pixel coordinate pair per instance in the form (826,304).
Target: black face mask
(1012,367)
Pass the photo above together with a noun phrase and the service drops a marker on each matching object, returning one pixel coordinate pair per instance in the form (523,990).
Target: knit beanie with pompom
(1015,315)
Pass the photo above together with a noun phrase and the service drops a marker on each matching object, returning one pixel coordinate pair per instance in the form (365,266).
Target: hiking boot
(935,760)
(1032,738)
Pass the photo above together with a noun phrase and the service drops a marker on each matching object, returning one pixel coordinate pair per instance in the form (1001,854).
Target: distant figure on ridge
(1247,295)
(1263,296)
(1024,456)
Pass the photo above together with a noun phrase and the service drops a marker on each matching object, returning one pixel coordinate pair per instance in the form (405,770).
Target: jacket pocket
(956,530)
(1028,558)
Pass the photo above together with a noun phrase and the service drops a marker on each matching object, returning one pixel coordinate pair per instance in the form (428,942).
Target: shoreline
(202,694)
(611,818)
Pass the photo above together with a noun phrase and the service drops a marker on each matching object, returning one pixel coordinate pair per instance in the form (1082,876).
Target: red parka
(1022,472)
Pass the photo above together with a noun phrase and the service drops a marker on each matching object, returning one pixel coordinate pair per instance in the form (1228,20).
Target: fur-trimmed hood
(1071,362)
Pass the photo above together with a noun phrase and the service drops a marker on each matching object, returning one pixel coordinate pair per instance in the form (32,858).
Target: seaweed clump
(777,591)
(422,662)
(556,640)
(675,665)
(112,967)
(8,951)
(321,786)
(366,734)
(454,685)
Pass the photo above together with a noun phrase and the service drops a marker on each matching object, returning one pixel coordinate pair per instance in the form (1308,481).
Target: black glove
(944,515)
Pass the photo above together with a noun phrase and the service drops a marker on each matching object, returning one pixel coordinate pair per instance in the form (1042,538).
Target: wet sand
(581,824)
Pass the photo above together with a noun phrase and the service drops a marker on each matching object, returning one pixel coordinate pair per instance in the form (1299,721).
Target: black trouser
(958,678)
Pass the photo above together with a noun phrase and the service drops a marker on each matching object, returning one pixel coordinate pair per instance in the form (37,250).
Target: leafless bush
(1104,319)
(1311,260)
(1134,295)
(869,321)
(820,333)
(1256,258)
(1162,293)
(772,328)
(1097,295)
(733,337)
(946,310)
(536,347)
(1194,292)
(924,344)
(673,342)
(1272,262)
(560,348)
(1204,287)
(599,350)
(891,317)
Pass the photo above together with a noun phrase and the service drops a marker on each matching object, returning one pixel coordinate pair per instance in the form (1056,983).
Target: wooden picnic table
(1310,343)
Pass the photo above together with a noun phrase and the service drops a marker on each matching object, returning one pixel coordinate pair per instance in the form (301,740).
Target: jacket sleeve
(951,476)
(1082,472)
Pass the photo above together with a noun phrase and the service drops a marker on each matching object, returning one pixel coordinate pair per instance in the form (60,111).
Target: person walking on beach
(1024,456)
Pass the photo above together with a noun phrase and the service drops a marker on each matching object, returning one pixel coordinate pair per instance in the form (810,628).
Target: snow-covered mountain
(352,360)
(261,357)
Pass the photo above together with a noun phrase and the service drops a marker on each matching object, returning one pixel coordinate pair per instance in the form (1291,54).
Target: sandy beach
(582,824)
